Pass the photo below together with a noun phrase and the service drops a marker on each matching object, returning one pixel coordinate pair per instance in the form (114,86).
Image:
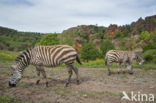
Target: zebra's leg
(44,75)
(130,68)
(75,69)
(119,69)
(108,67)
(38,74)
(70,72)
(124,66)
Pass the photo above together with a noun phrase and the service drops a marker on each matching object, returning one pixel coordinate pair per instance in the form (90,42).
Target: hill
(118,34)
(14,40)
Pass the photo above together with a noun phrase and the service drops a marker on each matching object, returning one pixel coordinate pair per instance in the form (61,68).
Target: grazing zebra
(125,57)
(49,56)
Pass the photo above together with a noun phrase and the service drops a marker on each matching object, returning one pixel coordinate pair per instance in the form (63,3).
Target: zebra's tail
(78,59)
(106,59)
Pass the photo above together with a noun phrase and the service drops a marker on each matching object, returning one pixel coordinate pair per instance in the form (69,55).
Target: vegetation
(149,47)
(105,46)
(14,40)
(122,34)
(145,35)
(49,39)
(8,99)
(7,55)
(89,52)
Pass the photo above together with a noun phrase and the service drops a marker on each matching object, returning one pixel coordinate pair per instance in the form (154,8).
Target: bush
(49,39)
(144,35)
(89,52)
(117,35)
(150,55)
(105,46)
(121,34)
(68,41)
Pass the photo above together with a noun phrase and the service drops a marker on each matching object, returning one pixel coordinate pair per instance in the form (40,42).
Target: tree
(105,46)
(145,35)
(49,39)
(68,41)
(89,52)
(149,48)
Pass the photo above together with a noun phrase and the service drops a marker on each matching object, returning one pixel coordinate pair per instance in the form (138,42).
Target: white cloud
(58,15)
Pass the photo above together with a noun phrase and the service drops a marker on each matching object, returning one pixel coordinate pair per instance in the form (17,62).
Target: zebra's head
(15,76)
(21,62)
(140,60)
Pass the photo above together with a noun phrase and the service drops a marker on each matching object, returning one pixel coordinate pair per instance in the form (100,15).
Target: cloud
(58,15)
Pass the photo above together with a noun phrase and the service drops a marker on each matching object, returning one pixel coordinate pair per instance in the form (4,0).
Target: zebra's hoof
(109,74)
(124,72)
(37,82)
(47,84)
(131,73)
(78,82)
(66,85)
(118,72)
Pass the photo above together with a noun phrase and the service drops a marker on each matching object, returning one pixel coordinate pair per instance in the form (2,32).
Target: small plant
(8,99)
(60,91)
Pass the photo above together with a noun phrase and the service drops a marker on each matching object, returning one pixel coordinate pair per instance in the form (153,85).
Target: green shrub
(150,55)
(123,34)
(105,46)
(49,39)
(68,41)
(144,35)
(117,35)
(89,52)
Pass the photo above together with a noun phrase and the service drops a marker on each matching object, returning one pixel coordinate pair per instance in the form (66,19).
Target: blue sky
(58,15)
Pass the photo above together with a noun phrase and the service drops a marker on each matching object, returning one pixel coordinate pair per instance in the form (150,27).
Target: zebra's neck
(23,60)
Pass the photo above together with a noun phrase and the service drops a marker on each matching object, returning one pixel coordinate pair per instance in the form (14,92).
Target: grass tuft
(8,99)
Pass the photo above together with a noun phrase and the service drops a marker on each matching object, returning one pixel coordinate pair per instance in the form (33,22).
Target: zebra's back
(116,56)
(54,55)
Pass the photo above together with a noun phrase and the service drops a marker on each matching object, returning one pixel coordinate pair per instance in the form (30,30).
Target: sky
(57,15)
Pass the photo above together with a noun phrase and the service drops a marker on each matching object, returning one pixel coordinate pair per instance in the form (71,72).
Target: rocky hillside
(135,28)
(94,33)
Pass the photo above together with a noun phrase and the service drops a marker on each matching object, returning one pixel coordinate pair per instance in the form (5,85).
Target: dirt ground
(95,87)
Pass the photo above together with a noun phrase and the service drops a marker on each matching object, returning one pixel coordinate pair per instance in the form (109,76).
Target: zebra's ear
(20,52)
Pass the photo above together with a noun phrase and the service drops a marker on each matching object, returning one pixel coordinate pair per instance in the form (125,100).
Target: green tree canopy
(89,52)
(105,46)
(49,39)
(149,48)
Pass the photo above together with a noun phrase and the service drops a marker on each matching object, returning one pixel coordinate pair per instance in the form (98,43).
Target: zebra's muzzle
(12,85)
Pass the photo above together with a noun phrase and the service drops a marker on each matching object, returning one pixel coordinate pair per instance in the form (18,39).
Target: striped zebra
(49,56)
(125,57)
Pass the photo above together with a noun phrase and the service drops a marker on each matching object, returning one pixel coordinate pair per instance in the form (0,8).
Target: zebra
(125,57)
(48,56)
